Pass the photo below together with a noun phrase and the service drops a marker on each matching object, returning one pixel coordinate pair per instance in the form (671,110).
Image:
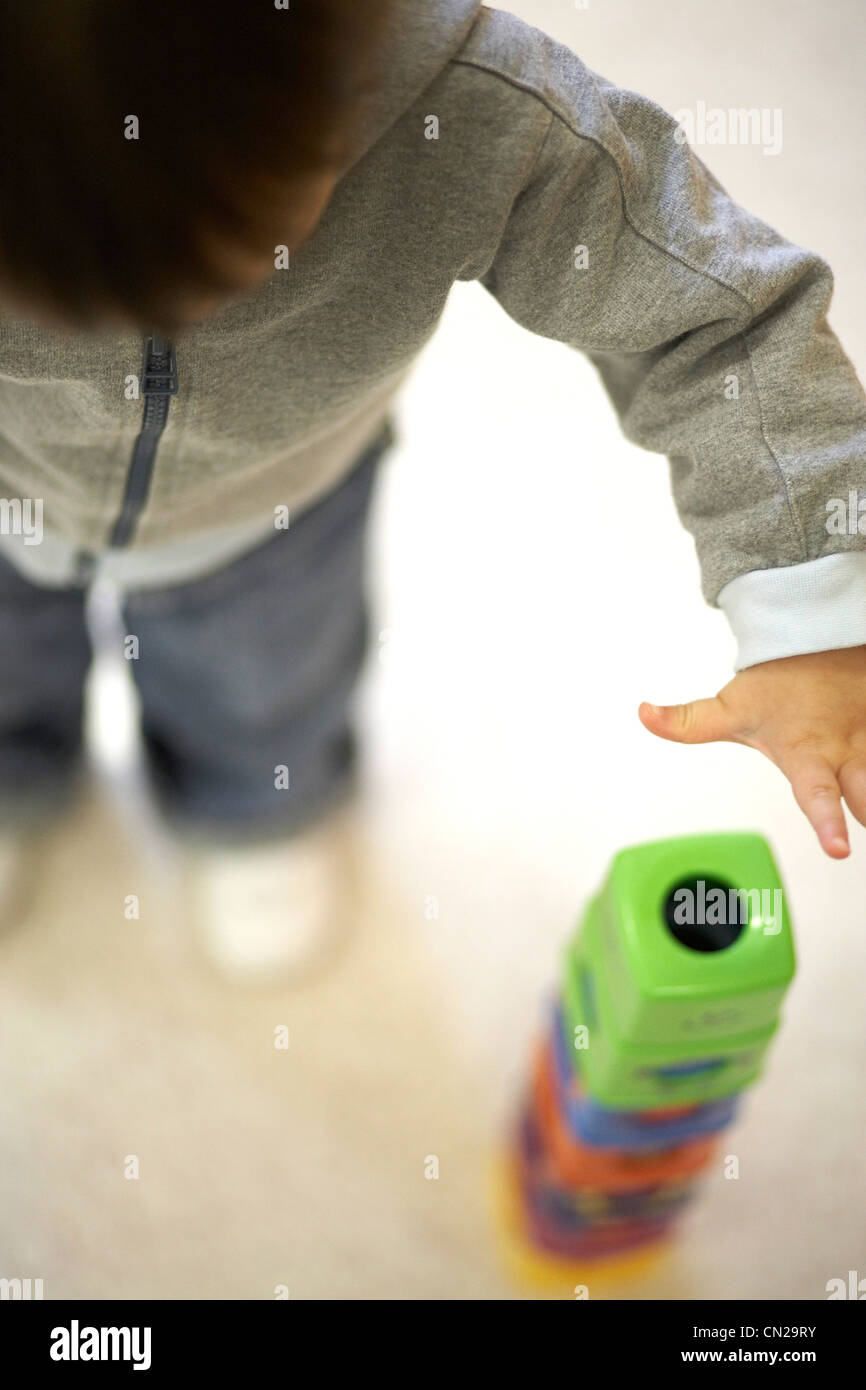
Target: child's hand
(807,714)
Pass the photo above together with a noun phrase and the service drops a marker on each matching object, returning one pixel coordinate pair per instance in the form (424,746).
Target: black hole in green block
(705,914)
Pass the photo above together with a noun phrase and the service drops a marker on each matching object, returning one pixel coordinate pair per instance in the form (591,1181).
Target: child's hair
(231,100)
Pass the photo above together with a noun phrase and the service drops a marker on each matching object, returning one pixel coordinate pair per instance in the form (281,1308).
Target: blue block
(632,1130)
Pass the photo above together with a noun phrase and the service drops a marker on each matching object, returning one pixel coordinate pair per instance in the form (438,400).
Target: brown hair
(234,99)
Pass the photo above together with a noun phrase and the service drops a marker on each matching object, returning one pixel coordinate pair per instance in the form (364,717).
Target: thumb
(700,721)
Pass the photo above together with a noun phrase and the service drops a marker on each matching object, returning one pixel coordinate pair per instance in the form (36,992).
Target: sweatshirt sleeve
(709,332)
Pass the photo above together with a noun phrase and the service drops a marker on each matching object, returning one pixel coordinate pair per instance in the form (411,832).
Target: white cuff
(814,607)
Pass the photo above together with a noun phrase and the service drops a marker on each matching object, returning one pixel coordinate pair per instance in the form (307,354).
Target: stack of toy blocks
(668,1001)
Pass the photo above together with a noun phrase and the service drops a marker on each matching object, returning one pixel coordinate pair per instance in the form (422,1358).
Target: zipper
(159,382)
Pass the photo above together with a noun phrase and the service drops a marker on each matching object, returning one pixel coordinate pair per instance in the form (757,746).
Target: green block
(679,970)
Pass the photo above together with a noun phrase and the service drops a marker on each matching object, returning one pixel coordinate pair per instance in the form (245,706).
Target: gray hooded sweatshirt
(490,153)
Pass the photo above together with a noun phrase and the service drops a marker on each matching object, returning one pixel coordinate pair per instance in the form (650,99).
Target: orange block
(573,1163)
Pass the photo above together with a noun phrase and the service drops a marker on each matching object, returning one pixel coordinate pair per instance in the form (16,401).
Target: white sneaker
(271,909)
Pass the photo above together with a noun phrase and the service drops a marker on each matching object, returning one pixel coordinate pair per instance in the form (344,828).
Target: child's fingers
(852,777)
(699,721)
(819,796)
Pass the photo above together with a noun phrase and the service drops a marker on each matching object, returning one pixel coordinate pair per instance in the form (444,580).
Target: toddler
(226,232)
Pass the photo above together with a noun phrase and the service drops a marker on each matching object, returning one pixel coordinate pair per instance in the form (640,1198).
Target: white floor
(505,764)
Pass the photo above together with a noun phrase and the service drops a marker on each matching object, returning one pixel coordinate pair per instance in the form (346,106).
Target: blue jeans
(245,679)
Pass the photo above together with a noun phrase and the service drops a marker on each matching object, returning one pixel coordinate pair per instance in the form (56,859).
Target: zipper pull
(159,372)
